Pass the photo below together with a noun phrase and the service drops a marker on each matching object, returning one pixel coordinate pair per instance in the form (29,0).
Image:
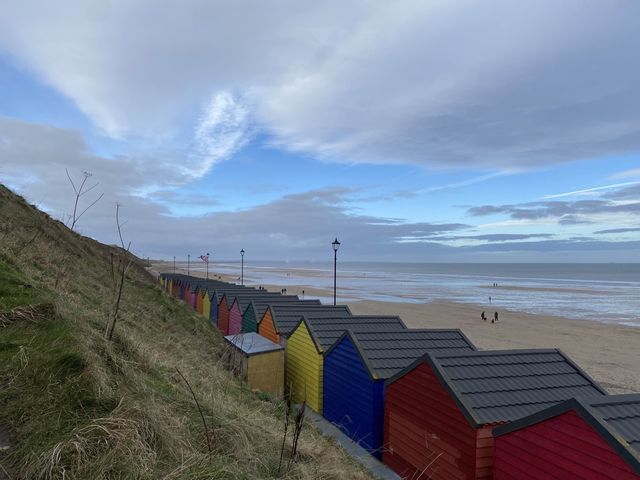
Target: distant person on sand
(489,299)
(483,316)
(495,316)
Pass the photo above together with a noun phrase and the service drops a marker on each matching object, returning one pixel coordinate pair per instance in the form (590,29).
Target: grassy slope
(80,407)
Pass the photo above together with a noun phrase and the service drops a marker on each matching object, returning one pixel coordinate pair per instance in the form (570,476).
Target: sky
(415,130)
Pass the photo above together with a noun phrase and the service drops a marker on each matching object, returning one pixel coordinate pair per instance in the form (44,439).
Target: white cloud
(490,85)
(222,130)
(589,191)
(632,173)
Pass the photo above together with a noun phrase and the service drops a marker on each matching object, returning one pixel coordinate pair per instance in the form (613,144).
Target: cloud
(589,191)
(491,86)
(629,193)
(496,237)
(222,130)
(617,230)
(565,212)
(633,173)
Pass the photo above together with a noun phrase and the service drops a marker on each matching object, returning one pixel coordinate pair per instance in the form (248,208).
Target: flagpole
(207,266)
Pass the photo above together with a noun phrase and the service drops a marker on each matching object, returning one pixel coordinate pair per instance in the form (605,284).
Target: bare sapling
(124,262)
(80,191)
(298,423)
(287,418)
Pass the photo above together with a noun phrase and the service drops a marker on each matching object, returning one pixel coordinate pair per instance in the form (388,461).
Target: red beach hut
(235,318)
(223,315)
(580,439)
(440,411)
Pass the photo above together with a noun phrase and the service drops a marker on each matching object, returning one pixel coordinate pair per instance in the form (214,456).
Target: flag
(205,258)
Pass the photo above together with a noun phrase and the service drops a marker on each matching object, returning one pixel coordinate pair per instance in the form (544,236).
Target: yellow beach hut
(206,304)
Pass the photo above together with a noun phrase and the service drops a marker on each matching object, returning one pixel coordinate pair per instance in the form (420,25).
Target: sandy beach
(609,353)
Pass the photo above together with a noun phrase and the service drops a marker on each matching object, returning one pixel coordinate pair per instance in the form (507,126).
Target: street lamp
(174,264)
(188,264)
(207,261)
(242,271)
(336,245)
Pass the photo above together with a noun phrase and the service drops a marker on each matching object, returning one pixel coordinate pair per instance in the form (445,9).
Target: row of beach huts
(426,402)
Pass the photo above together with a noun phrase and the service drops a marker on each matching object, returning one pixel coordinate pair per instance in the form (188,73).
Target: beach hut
(278,320)
(206,304)
(223,315)
(258,361)
(213,312)
(440,411)
(199,307)
(193,295)
(235,318)
(311,338)
(356,367)
(579,439)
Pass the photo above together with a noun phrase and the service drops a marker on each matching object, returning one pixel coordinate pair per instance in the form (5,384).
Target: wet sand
(609,353)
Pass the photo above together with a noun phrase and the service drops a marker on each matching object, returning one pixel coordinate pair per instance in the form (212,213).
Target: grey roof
(245,298)
(262,306)
(325,331)
(615,417)
(286,317)
(386,353)
(252,343)
(495,386)
(622,413)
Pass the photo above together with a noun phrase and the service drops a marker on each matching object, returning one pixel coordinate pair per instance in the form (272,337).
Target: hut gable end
(424,429)
(304,368)
(563,447)
(267,329)
(351,398)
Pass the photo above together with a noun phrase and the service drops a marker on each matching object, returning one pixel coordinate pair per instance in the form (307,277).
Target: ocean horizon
(603,292)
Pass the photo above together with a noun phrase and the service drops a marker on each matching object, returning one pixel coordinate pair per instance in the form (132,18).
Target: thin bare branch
(118,223)
(89,189)
(85,210)
(72,184)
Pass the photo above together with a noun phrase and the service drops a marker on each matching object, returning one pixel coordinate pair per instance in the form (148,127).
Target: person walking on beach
(483,316)
(495,316)
(489,299)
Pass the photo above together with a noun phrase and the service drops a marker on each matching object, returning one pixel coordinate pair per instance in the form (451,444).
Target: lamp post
(242,268)
(188,264)
(335,244)
(207,262)
(174,264)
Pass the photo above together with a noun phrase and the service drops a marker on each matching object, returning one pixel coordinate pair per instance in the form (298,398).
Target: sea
(603,292)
